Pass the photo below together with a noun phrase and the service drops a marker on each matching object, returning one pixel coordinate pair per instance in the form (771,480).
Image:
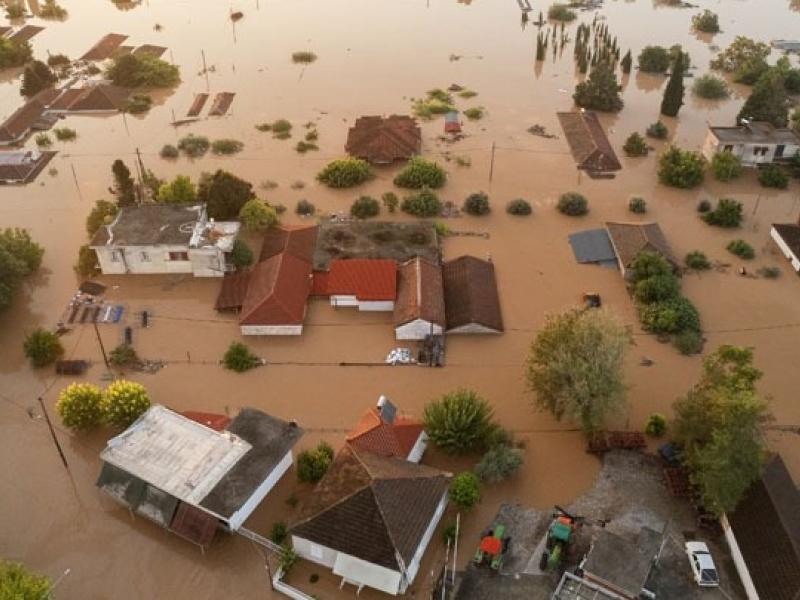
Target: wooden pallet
(603,441)
(677,481)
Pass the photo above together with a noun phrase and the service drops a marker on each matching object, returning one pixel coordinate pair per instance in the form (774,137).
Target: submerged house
(26,118)
(23,166)
(787,237)
(371,518)
(93,98)
(631,239)
(164,239)
(472,304)
(368,284)
(384,431)
(384,140)
(419,310)
(193,479)
(588,142)
(755,143)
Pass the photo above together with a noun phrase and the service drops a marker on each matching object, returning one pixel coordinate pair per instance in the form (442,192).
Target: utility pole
(491,164)
(205,70)
(100,341)
(53,434)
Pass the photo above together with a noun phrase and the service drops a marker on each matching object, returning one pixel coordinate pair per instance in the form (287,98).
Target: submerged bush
(465,490)
(42,347)
(365,207)
(726,166)
(561,12)
(421,173)
(137,104)
(168,151)
(519,207)
(194,146)
(304,208)
(312,464)
(697,261)
(65,134)
(477,204)
(728,214)
(226,146)
(772,176)
(142,70)
(390,201)
(475,113)
(635,145)
(654,59)
(79,406)
(345,172)
(710,87)
(499,464)
(573,204)
(637,205)
(657,130)
(422,204)
(706,21)
(681,168)
(241,255)
(124,401)
(741,249)
(656,425)
(304,57)
(239,358)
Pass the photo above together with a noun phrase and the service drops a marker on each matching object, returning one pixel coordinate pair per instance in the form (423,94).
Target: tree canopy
(17,582)
(14,54)
(600,91)
(19,257)
(224,193)
(142,70)
(459,422)
(745,58)
(673,93)
(180,190)
(768,100)
(36,77)
(681,168)
(257,215)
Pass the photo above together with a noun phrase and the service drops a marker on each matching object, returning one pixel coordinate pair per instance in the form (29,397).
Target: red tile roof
(298,241)
(366,279)
(278,291)
(211,420)
(374,434)
(384,140)
(420,293)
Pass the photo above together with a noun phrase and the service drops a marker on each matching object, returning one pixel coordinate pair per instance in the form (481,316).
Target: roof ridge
(388,530)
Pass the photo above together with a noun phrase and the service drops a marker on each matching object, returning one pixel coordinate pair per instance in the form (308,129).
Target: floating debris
(540,131)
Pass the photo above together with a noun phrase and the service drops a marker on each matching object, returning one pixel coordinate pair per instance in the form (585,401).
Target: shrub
(65,134)
(710,87)
(365,207)
(728,214)
(688,342)
(671,316)
(224,193)
(257,216)
(180,190)
(706,21)
(241,255)
(498,464)
(87,261)
(42,347)
(519,207)
(649,264)
(305,208)
(635,145)
(654,59)
(573,204)
(142,70)
(449,534)
(697,261)
(769,272)
(561,12)
(772,176)
(137,104)
(475,113)
(477,204)
(345,172)
(637,205)
(459,422)
(726,166)
(422,204)
(703,206)
(436,102)
(36,77)
(279,532)
(421,173)
(58,60)
(18,583)
(656,425)
(43,140)
(226,146)
(657,288)
(745,58)
(123,355)
(312,464)
(303,147)
(168,151)
(390,201)
(303,57)
(287,559)
(51,10)
(658,131)
(741,249)
(465,490)
(79,406)
(239,358)
(102,214)
(442,230)
(600,91)
(14,54)
(123,402)
(681,168)
(194,146)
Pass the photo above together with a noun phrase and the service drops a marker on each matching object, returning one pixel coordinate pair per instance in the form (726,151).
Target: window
(114,257)
(316,551)
(145,256)
(178,256)
(728,148)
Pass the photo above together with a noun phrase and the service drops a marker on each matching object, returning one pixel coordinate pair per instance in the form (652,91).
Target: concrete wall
(369,305)
(416,330)
(316,553)
(207,262)
(346,301)
(271,329)
(746,151)
(141,260)
(738,560)
(413,566)
(241,515)
(787,252)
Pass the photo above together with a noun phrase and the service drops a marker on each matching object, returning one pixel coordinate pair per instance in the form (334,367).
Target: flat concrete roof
(756,132)
(175,454)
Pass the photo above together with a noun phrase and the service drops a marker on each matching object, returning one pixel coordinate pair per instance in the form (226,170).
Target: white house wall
(142,260)
(316,553)
(207,262)
(271,329)
(413,567)
(787,252)
(472,328)
(376,306)
(738,560)
(346,301)
(416,330)
(241,515)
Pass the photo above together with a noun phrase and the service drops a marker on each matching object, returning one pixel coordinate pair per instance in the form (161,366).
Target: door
(779,151)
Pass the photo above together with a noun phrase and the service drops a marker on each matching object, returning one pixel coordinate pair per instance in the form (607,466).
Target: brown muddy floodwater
(374,55)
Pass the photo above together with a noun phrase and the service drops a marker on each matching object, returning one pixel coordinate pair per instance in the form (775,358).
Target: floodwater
(374,55)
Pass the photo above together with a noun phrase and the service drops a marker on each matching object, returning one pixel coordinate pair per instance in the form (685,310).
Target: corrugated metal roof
(593,246)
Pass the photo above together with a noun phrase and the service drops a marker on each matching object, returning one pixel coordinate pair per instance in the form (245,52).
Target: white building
(157,239)
(787,237)
(756,143)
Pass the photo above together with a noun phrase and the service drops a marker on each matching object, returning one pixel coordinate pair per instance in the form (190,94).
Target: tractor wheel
(543,561)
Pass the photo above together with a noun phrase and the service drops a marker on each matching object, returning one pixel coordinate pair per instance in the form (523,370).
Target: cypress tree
(626,62)
(673,93)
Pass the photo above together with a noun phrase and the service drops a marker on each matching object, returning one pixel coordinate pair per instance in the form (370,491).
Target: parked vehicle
(703,569)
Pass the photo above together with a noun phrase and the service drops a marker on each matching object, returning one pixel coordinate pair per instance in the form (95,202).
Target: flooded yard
(374,56)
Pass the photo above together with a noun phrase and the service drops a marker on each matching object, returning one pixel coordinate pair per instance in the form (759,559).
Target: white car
(703,569)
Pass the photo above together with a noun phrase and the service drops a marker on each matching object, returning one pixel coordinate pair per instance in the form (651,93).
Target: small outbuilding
(588,142)
(384,140)
(787,237)
(368,284)
(631,239)
(385,432)
(755,143)
(420,309)
(23,166)
(472,304)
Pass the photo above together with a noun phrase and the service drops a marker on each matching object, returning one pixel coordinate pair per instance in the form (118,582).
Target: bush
(303,147)
(65,134)
(422,204)
(345,172)
(519,207)
(365,207)
(449,534)
(42,347)
(656,425)
(498,464)
(421,173)
(87,262)
(436,102)
(706,21)
(303,57)
(123,402)
(142,70)
(168,151)
(257,216)
(697,261)
(279,532)
(773,176)
(14,54)
(390,201)
(465,490)
(635,145)
(312,464)
(656,289)
(728,214)
(241,256)
(79,406)
(226,146)
(477,204)
(17,583)
(58,60)
(51,10)
(102,214)
(671,316)
(726,166)
(710,87)
(43,140)
(561,12)
(287,559)
(573,204)
(657,131)
(180,190)
(123,355)
(741,249)
(194,146)
(654,59)
(600,91)
(459,422)
(442,230)
(475,113)
(688,342)
(703,206)
(681,168)
(637,205)
(239,358)
(769,272)
(137,104)
(305,208)
(649,264)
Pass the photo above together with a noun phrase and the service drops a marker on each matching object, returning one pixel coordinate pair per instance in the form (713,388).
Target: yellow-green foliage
(124,401)
(79,406)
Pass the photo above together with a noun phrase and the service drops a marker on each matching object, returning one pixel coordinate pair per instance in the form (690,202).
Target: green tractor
(559,536)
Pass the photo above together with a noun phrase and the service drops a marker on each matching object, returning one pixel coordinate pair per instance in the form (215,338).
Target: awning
(594,247)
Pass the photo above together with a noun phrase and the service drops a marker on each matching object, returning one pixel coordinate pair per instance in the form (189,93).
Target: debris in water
(235,16)
(540,131)
(454,87)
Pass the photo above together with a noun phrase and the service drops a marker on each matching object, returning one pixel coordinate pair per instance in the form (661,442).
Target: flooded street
(373,57)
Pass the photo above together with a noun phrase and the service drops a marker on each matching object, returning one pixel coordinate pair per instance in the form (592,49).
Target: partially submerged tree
(42,347)
(768,101)
(142,70)
(124,187)
(673,93)
(257,215)
(36,77)
(600,91)
(13,53)
(345,172)
(180,190)
(465,490)
(239,358)
(421,173)
(681,168)
(19,257)
(123,402)
(575,366)
(18,583)
(706,22)
(224,193)
(745,58)
(312,464)
(80,406)
(459,422)
(654,59)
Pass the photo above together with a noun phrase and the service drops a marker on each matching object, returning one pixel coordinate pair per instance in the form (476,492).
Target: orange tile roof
(420,293)
(365,278)
(374,434)
(211,420)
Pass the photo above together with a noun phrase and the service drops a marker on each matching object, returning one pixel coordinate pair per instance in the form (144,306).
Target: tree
(768,101)
(42,347)
(123,402)
(459,422)
(102,214)
(18,583)
(142,70)
(224,193)
(312,464)
(657,131)
(124,187)
(728,214)
(345,172)
(498,464)
(365,207)
(180,190)
(654,59)
(477,204)
(194,146)
(79,406)
(773,176)
(14,54)
(465,490)
(706,21)
(575,366)
(87,261)
(635,145)
(241,256)
(681,168)
(673,93)
(626,63)
(422,204)
(746,59)
(710,87)
(519,207)
(36,77)
(656,425)
(239,358)
(19,257)
(573,204)
(421,173)
(257,215)
(726,166)
(719,424)
(600,91)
